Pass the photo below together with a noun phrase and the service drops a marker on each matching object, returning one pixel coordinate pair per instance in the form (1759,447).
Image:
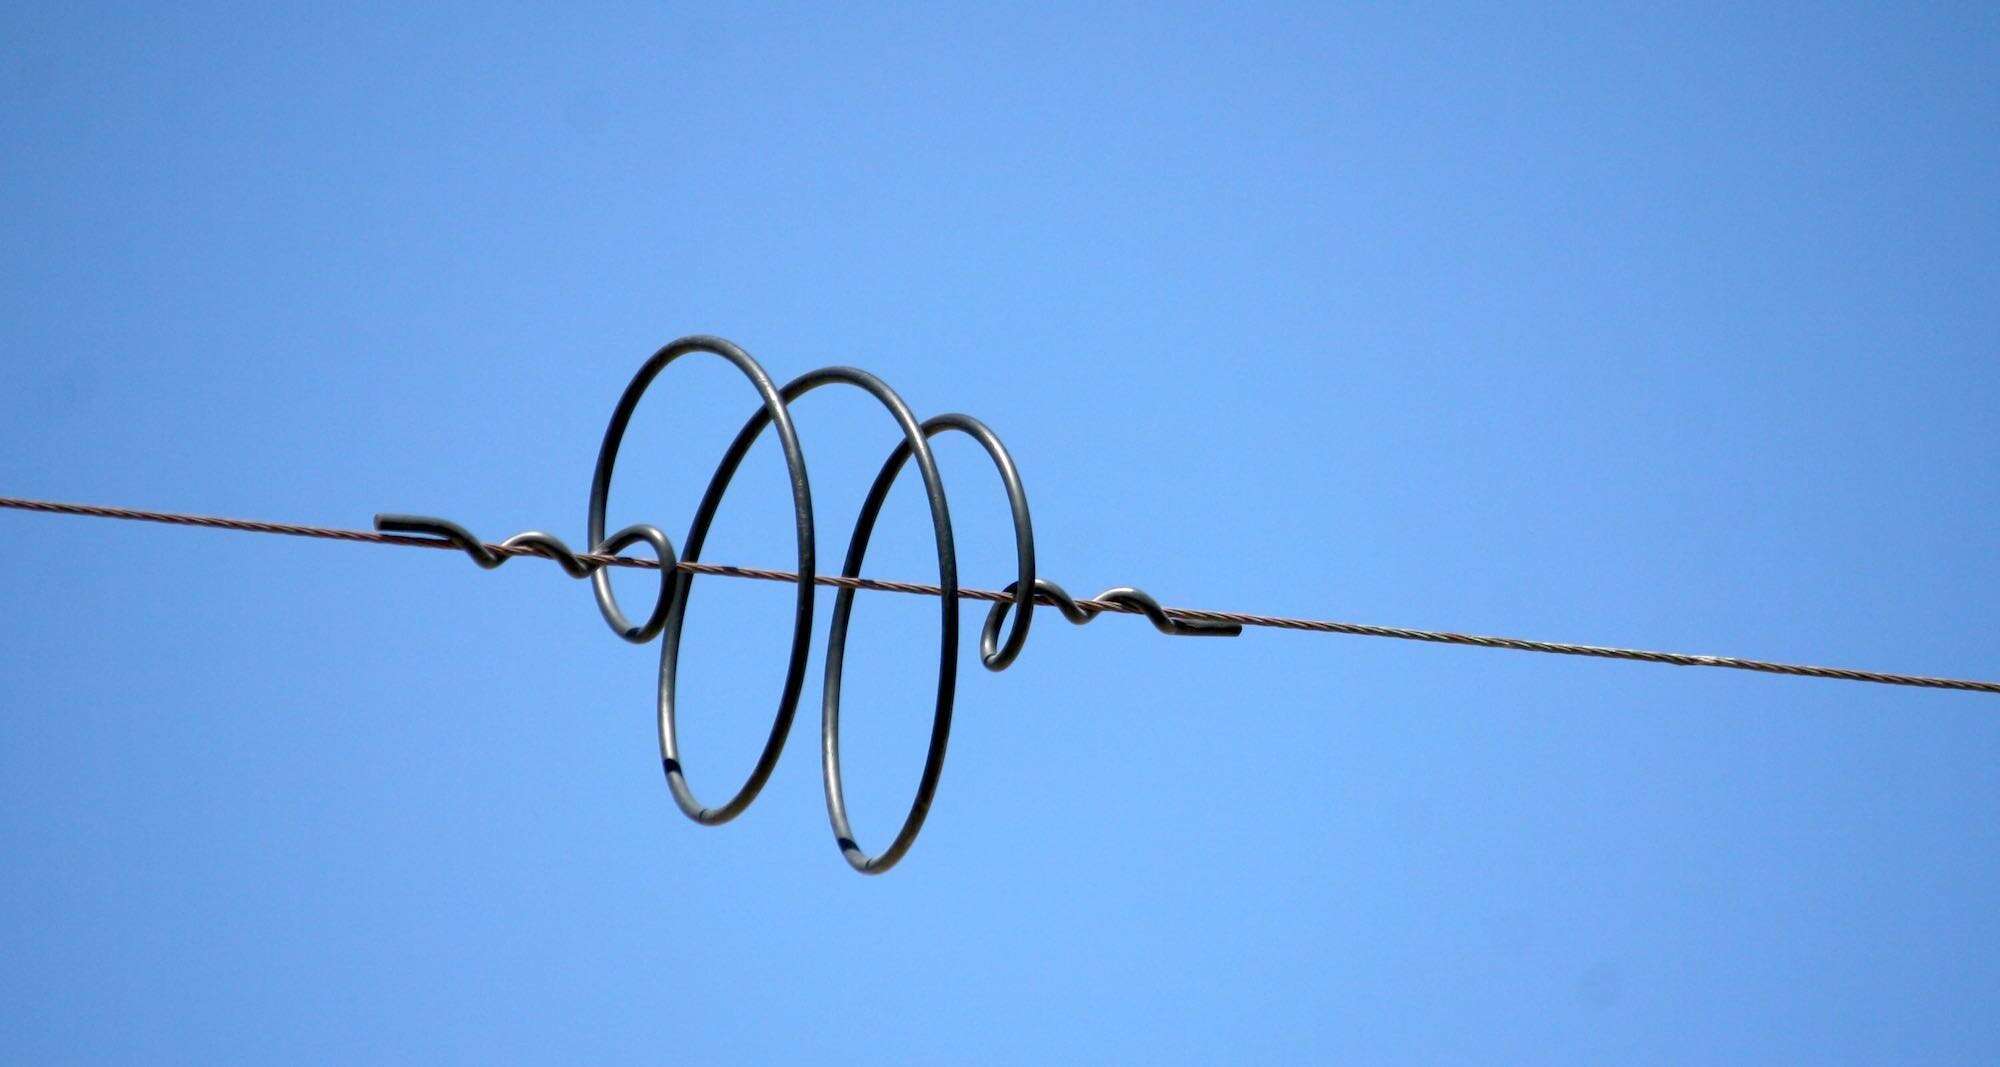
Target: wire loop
(1078,613)
(915,442)
(677,573)
(773,412)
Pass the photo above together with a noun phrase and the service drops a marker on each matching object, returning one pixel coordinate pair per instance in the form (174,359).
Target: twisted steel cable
(1047,593)
(1018,599)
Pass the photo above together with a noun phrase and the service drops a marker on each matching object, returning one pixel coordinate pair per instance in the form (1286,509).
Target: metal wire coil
(676,584)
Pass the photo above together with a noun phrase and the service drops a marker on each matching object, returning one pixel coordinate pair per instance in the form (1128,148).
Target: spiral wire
(1001,638)
(677,581)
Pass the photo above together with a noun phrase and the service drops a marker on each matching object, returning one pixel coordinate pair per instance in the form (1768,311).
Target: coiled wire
(677,584)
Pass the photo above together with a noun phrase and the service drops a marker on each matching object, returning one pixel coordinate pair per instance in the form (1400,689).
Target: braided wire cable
(1278,622)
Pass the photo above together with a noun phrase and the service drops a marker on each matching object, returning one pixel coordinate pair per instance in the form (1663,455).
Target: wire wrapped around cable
(677,581)
(677,591)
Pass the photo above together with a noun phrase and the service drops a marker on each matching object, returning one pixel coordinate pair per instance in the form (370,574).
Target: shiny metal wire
(677,581)
(678,569)
(1085,607)
(675,592)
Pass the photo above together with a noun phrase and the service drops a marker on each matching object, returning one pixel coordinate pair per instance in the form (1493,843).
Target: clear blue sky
(1673,330)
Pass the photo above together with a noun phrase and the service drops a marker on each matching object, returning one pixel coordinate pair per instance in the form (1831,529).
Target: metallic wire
(674,594)
(678,571)
(996,596)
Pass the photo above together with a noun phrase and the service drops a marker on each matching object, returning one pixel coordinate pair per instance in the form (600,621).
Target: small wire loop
(1078,613)
(552,547)
(663,604)
(1167,624)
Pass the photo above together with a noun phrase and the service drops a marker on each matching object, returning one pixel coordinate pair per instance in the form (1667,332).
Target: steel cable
(1092,605)
(1016,602)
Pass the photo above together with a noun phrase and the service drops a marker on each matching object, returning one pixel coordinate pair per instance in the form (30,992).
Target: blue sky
(1671,329)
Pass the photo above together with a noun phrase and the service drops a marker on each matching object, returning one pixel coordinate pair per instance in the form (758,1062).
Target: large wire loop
(675,592)
(843,606)
(915,438)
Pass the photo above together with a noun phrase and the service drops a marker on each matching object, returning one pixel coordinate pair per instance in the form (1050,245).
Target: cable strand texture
(1280,622)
